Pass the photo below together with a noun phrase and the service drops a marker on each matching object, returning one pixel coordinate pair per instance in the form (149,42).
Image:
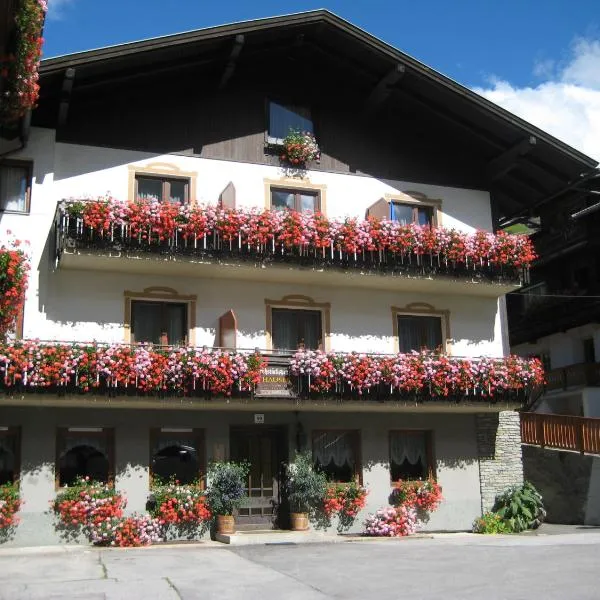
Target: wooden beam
(509,159)
(65,97)
(381,92)
(238,44)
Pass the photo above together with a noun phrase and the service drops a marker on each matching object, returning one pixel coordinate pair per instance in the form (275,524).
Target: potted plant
(306,489)
(226,483)
(300,147)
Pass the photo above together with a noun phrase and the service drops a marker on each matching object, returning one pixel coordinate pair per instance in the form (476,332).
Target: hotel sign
(275,382)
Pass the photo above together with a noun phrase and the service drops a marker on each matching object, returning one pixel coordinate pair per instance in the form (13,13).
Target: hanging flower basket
(300,147)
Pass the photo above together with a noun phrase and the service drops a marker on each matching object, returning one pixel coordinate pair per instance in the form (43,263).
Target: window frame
(295,302)
(160,294)
(275,141)
(28,166)
(429,450)
(416,200)
(14,431)
(198,434)
(422,309)
(415,211)
(291,185)
(358,470)
(165,187)
(163,318)
(108,433)
(160,170)
(297,192)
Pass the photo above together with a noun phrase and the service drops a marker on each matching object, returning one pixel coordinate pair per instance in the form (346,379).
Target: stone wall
(499,448)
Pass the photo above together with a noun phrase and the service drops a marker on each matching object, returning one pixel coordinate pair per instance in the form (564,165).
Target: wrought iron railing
(72,236)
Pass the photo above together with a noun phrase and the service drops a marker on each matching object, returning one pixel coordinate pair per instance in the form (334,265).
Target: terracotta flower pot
(299,521)
(225,524)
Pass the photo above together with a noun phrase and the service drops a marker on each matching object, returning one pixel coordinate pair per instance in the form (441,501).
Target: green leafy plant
(490,522)
(520,507)
(306,487)
(226,486)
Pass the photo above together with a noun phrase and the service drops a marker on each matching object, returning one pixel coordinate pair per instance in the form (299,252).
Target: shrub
(520,507)
(490,522)
(306,487)
(226,483)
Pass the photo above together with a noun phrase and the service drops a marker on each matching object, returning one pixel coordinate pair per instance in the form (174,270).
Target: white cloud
(566,104)
(57,9)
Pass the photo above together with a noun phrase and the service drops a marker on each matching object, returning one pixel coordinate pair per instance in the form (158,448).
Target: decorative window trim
(358,476)
(418,199)
(161,294)
(429,449)
(289,183)
(298,301)
(15,432)
(108,433)
(422,309)
(28,165)
(161,169)
(199,436)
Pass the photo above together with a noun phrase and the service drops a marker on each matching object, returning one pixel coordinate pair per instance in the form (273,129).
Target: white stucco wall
(89,305)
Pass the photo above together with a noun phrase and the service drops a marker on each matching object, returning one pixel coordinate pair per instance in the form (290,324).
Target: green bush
(520,507)
(306,487)
(226,486)
(490,522)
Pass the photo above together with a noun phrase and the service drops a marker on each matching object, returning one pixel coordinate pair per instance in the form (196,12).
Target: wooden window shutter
(228,330)
(227,197)
(379,210)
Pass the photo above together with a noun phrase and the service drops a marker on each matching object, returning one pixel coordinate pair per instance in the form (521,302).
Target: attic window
(283,118)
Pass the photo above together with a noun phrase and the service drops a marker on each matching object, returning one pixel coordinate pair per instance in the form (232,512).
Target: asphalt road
(548,567)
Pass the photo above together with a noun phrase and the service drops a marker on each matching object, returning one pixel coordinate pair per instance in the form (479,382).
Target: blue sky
(510,50)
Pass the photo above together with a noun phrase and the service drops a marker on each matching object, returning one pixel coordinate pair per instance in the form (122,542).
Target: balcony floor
(184,266)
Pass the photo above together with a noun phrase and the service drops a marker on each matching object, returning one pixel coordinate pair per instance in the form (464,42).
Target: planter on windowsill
(299,148)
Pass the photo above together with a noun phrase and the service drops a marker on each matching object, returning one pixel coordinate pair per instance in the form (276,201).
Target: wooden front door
(263,448)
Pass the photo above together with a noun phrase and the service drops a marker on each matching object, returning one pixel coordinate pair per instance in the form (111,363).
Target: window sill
(13,212)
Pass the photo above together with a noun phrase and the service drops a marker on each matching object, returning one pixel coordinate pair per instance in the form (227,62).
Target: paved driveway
(454,566)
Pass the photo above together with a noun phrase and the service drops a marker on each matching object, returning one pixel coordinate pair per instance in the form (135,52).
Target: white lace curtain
(162,443)
(93,441)
(408,446)
(336,447)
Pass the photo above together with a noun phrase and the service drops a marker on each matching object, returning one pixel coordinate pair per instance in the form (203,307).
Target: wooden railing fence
(563,432)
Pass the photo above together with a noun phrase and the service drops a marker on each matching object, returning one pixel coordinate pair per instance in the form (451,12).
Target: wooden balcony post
(540,430)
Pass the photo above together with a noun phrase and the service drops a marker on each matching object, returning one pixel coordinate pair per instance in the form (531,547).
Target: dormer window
(283,118)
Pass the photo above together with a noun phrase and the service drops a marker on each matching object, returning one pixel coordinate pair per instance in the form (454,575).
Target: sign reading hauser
(274,382)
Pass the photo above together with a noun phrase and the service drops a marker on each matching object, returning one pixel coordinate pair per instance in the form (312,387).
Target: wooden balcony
(78,247)
(573,376)
(580,434)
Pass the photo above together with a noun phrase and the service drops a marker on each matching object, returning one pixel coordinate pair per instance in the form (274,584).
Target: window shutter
(227,330)
(379,210)
(227,197)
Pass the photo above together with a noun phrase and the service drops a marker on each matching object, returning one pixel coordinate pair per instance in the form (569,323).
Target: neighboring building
(557,316)
(197,118)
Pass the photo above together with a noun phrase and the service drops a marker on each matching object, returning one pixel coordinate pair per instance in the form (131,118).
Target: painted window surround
(161,169)
(298,301)
(291,183)
(416,309)
(161,294)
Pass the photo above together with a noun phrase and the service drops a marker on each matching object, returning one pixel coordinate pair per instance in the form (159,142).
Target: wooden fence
(581,434)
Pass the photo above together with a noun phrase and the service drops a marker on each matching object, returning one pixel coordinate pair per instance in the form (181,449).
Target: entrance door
(263,449)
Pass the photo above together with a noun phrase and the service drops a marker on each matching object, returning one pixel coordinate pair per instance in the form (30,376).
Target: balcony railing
(579,375)
(288,238)
(581,434)
(120,370)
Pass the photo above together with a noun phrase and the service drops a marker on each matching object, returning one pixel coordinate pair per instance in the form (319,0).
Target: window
(10,445)
(159,322)
(296,328)
(336,453)
(418,332)
(177,454)
(15,186)
(411,213)
(589,352)
(411,455)
(283,118)
(84,452)
(299,200)
(162,189)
